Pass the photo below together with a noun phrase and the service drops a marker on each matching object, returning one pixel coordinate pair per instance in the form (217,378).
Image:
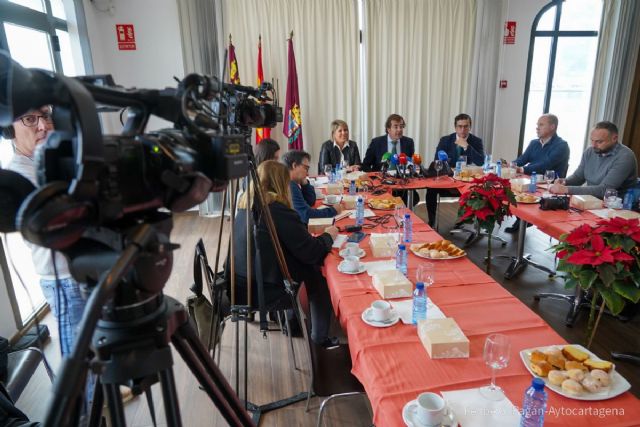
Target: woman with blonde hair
(339,149)
(303,253)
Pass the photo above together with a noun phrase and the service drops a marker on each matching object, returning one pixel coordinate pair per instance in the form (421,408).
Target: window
(562,57)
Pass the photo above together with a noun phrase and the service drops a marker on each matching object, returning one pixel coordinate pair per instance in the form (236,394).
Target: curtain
(419,61)
(200,27)
(481,102)
(616,60)
(326,43)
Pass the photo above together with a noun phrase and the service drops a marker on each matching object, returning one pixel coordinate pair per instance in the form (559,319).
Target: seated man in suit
(459,143)
(303,195)
(393,142)
(606,164)
(547,152)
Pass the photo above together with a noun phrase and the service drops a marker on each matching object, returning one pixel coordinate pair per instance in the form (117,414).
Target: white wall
(513,68)
(158,57)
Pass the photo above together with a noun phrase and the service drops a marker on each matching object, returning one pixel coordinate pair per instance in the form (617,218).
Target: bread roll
(557,361)
(591,384)
(553,351)
(557,377)
(598,364)
(541,368)
(572,387)
(572,364)
(573,353)
(538,356)
(601,376)
(576,374)
(434,253)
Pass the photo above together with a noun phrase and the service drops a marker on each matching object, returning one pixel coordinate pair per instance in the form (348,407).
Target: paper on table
(612,213)
(343,214)
(404,309)
(472,409)
(321,180)
(340,239)
(374,266)
(367,214)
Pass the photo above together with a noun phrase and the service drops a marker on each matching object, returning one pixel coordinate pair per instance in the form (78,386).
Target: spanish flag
(292,126)
(234,76)
(261,133)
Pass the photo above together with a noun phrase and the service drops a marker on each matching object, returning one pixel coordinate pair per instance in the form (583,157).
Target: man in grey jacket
(606,164)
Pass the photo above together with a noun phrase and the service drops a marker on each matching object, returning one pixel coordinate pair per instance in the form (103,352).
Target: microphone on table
(386,158)
(417,161)
(402,160)
(443,156)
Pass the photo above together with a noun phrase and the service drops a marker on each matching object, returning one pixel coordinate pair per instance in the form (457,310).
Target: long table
(394,367)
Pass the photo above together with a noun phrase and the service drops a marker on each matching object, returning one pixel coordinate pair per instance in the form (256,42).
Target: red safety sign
(510,32)
(126,37)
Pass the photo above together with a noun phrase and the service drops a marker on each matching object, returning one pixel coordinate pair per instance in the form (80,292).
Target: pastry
(572,387)
(576,374)
(538,356)
(572,364)
(541,368)
(598,364)
(591,384)
(557,361)
(553,351)
(557,377)
(573,353)
(601,376)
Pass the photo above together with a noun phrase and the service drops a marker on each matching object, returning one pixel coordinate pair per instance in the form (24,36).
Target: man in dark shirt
(393,142)
(303,195)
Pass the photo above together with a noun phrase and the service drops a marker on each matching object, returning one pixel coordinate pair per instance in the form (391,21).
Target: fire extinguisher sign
(126,37)
(510,32)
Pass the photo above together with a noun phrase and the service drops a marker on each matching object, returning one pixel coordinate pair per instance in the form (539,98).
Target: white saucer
(362,269)
(324,202)
(392,320)
(410,419)
(361,254)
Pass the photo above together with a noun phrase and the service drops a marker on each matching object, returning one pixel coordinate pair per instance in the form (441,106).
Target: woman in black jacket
(304,254)
(339,148)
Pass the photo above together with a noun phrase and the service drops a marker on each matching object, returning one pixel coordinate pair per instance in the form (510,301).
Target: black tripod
(131,341)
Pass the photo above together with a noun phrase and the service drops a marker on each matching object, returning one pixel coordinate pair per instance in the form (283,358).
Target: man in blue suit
(460,143)
(393,142)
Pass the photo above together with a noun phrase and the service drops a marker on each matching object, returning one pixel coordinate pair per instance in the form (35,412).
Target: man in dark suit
(393,142)
(459,143)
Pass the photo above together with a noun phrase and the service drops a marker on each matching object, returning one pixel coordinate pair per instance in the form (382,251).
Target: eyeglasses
(306,167)
(31,120)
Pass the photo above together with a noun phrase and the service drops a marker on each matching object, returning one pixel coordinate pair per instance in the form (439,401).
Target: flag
(234,76)
(292,126)
(261,133)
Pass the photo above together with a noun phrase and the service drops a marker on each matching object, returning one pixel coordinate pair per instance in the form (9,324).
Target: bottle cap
(538,384)
(420,285)
(402,247)
(407,216)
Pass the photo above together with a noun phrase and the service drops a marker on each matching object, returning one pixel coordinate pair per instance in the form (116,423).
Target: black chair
(21,366)
(331,376)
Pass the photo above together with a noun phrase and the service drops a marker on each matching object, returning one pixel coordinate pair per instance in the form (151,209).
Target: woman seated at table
(267,149)
(304,254)
(339,148)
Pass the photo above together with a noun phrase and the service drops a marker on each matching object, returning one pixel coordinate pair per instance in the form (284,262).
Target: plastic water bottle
(533,182)
(419,303)
(359,211)
(629,198)
(352,188)
(407,228)
(338,172)
(487,162)
(401,259)
(499,168)
(534,405)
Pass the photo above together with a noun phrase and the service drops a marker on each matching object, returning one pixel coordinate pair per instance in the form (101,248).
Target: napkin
(472,409)
(340,239)
(374,266)
(320,180)
(367,213)
(404,309)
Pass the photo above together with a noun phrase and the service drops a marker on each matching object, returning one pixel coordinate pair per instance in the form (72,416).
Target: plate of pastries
(441,249)
(527,198)
(385,204)
(468,175)
(360,182)
(575,372)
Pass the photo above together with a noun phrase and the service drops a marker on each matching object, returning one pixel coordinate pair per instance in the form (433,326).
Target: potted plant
(488,202)
(603,260)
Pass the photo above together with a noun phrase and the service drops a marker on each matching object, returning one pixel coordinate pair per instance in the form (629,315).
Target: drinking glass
(425,274)
(497,350)
(438,167)
(463,159)
(610,196)
(398,213)
(549,176)
(327,170)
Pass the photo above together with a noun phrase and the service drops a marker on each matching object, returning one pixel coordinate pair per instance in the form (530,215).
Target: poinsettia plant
(488,202)
(603,260)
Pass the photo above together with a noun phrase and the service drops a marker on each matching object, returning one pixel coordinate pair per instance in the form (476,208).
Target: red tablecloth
(394,367)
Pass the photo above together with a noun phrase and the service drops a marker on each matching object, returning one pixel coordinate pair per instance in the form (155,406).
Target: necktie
(394,143)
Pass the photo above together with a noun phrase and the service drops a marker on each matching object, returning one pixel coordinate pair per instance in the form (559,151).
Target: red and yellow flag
(234,76)
(261,133)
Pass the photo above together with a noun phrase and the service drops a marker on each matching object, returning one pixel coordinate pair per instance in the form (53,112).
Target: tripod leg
(116,410)
(96,404)
(170,398)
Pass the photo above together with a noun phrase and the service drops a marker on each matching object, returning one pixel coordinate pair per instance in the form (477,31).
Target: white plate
(618,383)
(362,269)
(392,320)
(421,255)
(361,254)
(410,419)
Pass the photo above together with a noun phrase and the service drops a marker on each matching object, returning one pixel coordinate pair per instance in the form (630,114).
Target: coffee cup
(331,199)
(351,264)
(352,249)
(430,409)
(380,310)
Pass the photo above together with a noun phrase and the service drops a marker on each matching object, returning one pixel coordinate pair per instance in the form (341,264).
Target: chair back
(22,364)
(330,367)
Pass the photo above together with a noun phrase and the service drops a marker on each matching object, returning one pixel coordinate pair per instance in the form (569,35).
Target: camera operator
(26,133)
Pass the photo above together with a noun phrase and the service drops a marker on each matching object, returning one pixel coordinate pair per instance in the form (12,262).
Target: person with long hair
(304,253)
(267,149)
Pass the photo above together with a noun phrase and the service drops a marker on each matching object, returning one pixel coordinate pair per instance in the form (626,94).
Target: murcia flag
(292,126)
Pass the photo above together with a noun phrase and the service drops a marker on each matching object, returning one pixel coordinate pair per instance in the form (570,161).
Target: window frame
(555,34)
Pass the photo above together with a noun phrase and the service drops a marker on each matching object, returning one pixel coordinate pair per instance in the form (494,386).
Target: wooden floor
(271,375)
